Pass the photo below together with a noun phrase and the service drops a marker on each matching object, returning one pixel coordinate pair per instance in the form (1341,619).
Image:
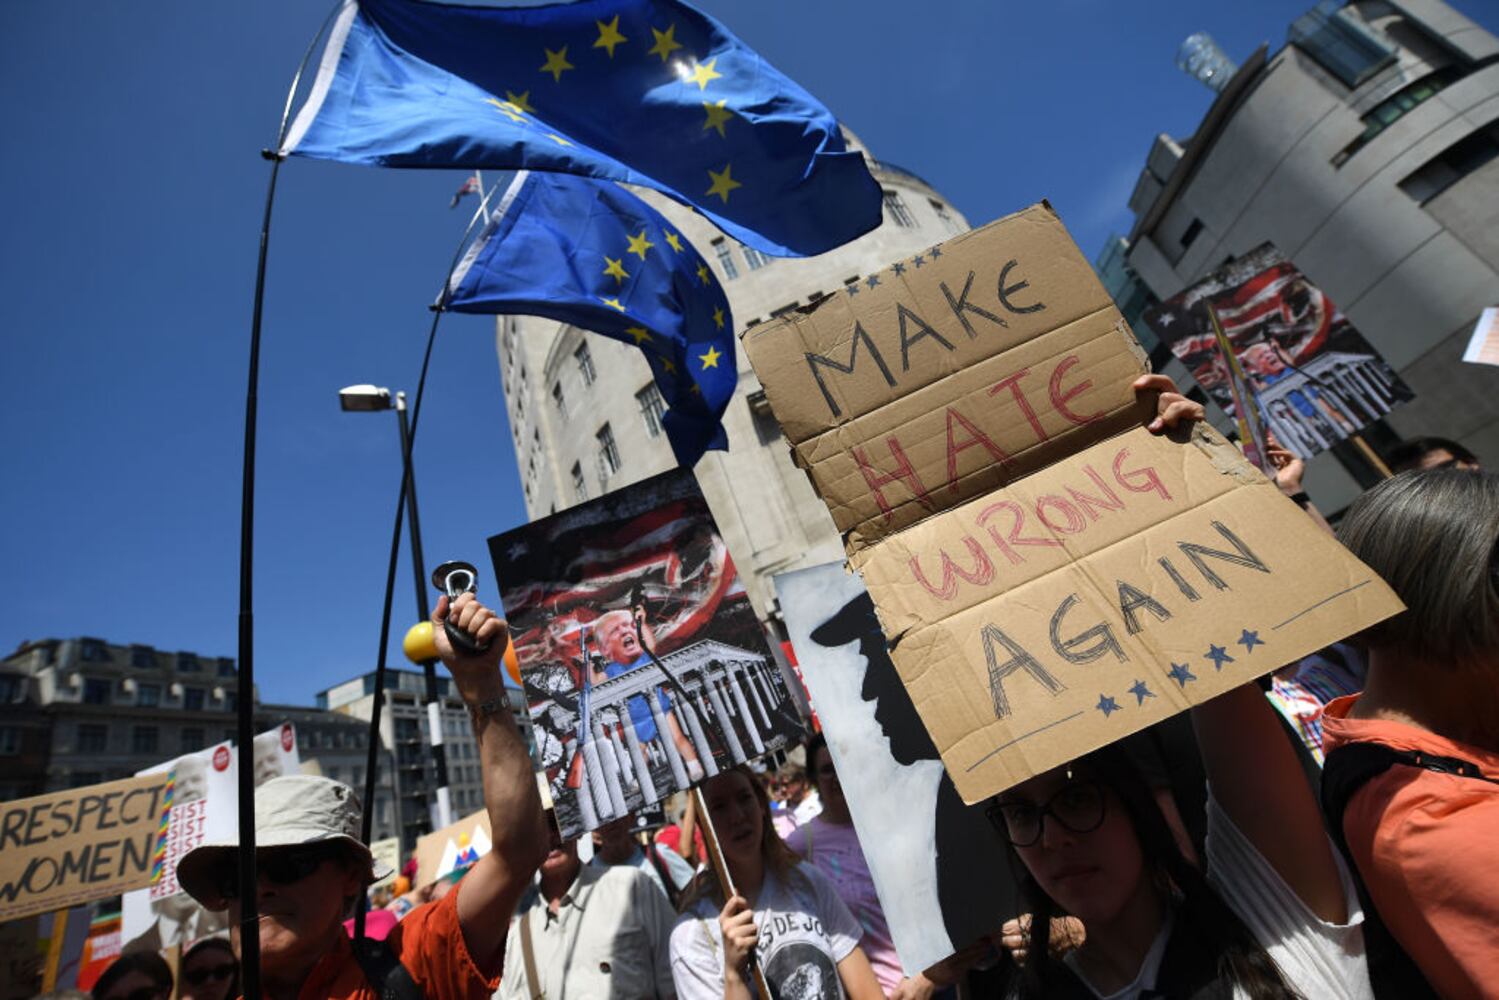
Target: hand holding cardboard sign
(1172,408)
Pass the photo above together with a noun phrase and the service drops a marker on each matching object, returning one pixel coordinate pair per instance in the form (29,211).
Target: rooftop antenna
(1201,58)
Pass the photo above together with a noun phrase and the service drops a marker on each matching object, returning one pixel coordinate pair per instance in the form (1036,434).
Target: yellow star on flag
(710,360)
(639,245)
(718,318)
(558,139)
(674,241)
(639,333)
(556,63)
(616,270)
(507,109)
(723,183)
(666,43)
(609,36)
(717,115)
(702,273)
(668,367)
(612,303)
(521,102)
(704,73)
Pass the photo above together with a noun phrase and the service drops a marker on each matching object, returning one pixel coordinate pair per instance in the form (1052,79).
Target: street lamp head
(363,398)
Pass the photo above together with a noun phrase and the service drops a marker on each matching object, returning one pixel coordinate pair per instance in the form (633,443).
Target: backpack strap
(384,971)
(1392,972)
(528,956)
(664,872)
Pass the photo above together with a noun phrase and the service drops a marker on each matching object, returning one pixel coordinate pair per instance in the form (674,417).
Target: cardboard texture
(449,845)
(960,370)
(1114,577)
(87,843)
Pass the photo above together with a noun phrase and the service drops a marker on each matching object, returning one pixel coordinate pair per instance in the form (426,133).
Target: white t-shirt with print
(805,930)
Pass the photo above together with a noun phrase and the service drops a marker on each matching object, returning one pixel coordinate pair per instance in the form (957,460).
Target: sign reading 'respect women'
(88,843)
(1051,576)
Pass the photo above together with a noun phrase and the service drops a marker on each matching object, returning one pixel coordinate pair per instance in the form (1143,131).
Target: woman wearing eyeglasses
(1273,913)
(209,971)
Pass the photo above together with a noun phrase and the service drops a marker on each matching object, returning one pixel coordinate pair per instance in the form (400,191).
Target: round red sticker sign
(221,759)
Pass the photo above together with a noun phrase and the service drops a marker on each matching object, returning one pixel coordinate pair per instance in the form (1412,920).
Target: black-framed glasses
(279,866)
(199,976)
(1078,805)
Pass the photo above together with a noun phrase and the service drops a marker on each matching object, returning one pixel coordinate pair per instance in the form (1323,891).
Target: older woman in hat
(312,867)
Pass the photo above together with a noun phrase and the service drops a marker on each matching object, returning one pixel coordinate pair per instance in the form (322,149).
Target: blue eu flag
(649,92)
(592,254)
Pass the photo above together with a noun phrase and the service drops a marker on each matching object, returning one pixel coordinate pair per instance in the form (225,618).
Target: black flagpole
(249,918)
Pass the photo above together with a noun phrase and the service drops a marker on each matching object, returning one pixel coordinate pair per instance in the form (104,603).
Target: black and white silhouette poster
(938,866)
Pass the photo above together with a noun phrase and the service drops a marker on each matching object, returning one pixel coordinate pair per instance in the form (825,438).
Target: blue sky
(133,191)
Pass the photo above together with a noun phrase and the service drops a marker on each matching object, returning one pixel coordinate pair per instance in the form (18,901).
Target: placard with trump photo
(643,662)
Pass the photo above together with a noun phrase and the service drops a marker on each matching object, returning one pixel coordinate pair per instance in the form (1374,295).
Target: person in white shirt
(615,844)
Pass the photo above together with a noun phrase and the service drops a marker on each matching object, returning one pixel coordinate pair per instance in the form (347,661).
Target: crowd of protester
(1327,832)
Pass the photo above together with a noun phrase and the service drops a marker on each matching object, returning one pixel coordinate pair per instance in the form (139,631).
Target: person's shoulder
(797,839)
(694,928)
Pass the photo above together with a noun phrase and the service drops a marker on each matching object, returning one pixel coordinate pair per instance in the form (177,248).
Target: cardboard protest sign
(86,843)
(938,867)
(455,846)
(1483,344)
(1314,377)
(642,659)
(1109,586)
(966,367)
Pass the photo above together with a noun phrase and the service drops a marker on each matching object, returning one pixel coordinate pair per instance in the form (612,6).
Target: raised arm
(1253,770)
(488,895)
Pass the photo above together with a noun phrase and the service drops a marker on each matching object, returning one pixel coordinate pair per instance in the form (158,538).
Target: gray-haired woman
(1412,779)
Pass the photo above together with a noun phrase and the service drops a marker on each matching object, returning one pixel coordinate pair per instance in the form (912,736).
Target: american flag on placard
(470,186)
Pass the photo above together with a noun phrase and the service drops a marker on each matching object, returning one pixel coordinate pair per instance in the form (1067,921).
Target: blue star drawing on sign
(898,268)
(1180,674)
(1108,706)
(872,280)
(853,288)
(1249,640)
(935,251)
(1218,655)
(917,260)
(1141,692)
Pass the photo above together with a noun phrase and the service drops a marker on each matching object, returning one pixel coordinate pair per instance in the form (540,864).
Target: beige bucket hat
(290,811)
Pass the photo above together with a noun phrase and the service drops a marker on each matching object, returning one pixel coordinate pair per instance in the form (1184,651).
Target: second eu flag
(649,92)
(593,254)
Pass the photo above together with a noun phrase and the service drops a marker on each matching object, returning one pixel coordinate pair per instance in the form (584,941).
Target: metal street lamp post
(370,398)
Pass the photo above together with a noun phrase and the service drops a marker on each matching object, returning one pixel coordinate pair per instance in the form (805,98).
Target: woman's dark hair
(147,962)
(1209,927)
(779,859)
(816,743)
(216,944)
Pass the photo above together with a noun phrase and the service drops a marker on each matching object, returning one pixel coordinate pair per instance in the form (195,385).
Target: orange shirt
(1427,847)
(430,945)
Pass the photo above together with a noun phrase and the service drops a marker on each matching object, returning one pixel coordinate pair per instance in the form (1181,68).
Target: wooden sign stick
(725,880)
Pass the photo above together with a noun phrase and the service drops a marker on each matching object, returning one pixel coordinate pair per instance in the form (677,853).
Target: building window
(144,739)
(725,259)
(187,663)
(755,259)
(93,737)
(82,779)
(652,406)
(94,651)
(1191,233)
(585,364)
(943,215)
(231,701)
(766,427)
(10,689)
(193,738)
(226,667)
(143,657)
(148,695)
(97,691)
(1340,43)
(899,213)
(192,699)
(1395,107)
(10,741)
(558,399)
(1452,165)
(580,484)
(608,452)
